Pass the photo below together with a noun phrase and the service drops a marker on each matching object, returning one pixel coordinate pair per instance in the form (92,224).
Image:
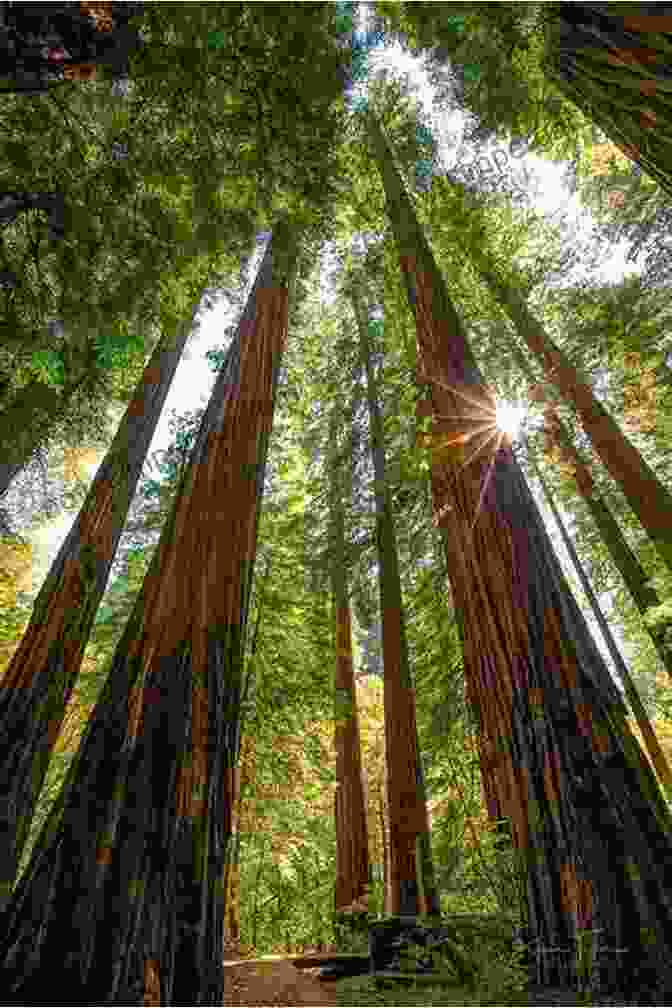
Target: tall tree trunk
(143,822)
(645,494)
(37,684)
(587,815)
(352,839)
(643,594)
(652,745)
(613,63)
(409,820)
(430,903)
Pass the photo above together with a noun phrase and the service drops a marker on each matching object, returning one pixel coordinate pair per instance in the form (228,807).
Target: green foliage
(497,53)
(116,607)
(210,164)
(146,233)
(500,979)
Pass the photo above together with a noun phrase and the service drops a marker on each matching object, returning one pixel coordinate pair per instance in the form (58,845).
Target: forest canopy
(234,116)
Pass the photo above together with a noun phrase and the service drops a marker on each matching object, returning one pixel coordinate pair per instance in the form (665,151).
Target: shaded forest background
(80,323)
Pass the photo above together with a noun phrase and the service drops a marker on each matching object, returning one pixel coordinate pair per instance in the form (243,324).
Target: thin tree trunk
(643,594)
(409,821)
(143,822)
(36,686)
(586,811)
(352,853)
(430,903)
(652,745)
(645,494)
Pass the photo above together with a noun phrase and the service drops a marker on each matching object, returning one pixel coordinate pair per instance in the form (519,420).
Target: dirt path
(257,983)
(274,982)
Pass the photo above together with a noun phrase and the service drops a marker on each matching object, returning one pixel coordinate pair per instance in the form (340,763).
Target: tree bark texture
(584,804)
(613,60)
(129,868)
(653,748)
(41,675)
(643,594)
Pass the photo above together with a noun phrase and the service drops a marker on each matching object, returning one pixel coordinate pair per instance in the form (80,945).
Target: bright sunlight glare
(509,417)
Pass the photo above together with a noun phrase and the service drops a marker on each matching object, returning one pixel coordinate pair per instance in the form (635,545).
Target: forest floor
(275,981)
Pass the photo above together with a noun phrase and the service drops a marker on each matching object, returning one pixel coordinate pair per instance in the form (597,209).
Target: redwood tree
(560,444)
(37,684)
(587,816)
(352,854)
(143,822)
(409,817)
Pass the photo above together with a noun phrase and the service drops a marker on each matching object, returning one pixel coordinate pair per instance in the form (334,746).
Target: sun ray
(497,421)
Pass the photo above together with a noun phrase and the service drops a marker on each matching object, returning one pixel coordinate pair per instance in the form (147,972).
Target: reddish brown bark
(413,888)
(41,675)
(543,693)
(638,584)
(352,860)
(144,820)
(232,875)
(352,853)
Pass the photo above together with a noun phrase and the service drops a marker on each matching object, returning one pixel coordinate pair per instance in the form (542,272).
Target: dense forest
(428,484)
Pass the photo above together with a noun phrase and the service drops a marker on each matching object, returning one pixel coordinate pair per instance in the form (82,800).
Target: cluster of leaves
(144,234)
